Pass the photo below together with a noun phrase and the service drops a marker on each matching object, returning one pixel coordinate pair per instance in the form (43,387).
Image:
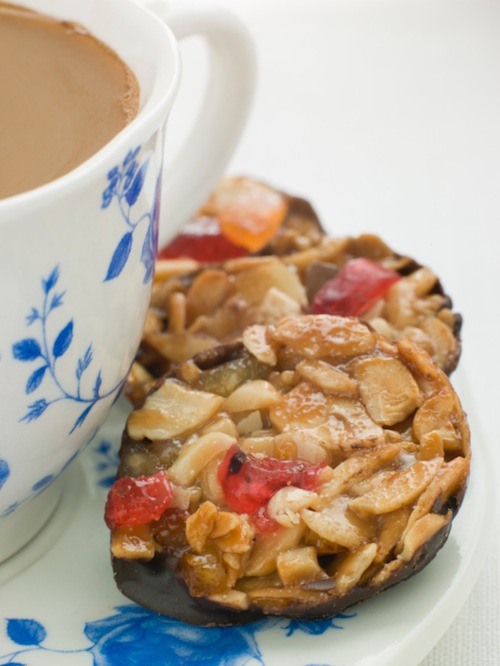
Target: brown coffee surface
(63,95)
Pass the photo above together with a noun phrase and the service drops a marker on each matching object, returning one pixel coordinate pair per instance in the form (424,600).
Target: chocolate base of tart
(156,587)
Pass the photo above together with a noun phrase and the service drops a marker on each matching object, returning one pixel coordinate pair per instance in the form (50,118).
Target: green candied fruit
(223,379)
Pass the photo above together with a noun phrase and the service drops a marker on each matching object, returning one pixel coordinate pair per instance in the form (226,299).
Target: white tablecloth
(474,637)
(385,114)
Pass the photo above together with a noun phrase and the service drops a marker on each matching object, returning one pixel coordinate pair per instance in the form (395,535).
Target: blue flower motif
(26,632)
(44,352)
(315,628)
(149,247)
(125,184)
(131,155)
(134,635)
(43,482)
(4,472)
(107,458)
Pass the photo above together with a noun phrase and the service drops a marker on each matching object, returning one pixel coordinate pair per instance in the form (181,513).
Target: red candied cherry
(137,500)
(248,482)
(354,289)
(202,239)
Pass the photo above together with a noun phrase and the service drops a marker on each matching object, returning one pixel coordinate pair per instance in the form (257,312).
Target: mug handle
(189,180)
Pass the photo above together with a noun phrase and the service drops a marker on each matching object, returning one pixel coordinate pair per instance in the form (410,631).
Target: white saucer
(59,604)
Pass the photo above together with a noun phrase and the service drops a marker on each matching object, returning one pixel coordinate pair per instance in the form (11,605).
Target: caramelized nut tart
(305,467)
(203,297)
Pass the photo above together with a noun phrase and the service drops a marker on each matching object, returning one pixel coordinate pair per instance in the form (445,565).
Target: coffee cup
(77,253)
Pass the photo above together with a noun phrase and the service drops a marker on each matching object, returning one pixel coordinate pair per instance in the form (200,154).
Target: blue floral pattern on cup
(44,353)
(4,472)
(134,635)
(125,184)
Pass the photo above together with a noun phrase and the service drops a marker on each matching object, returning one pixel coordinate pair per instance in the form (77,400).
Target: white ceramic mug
(77,255)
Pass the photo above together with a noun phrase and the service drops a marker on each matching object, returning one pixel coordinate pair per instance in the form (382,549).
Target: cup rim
(148,119)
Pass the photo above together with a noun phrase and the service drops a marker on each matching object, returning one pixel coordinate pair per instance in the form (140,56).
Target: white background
(385,114)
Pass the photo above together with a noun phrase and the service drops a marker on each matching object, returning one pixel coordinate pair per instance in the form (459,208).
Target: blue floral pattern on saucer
(106,463)
(134,635)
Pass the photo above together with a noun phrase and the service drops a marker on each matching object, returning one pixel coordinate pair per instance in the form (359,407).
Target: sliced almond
(327,378)
(173,409)
(256,340)
(286,504)
(264,554)
(442,413)
(421,532)
(388,389)
(353,566)
(333,525)
(196,455)
(397,489)
(353,470)
(252,395)
(253,285)
(323,336)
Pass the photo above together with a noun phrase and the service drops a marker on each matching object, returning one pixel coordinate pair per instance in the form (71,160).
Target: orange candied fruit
(249,213)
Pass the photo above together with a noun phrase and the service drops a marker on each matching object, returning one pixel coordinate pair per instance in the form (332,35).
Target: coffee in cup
(64,92)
